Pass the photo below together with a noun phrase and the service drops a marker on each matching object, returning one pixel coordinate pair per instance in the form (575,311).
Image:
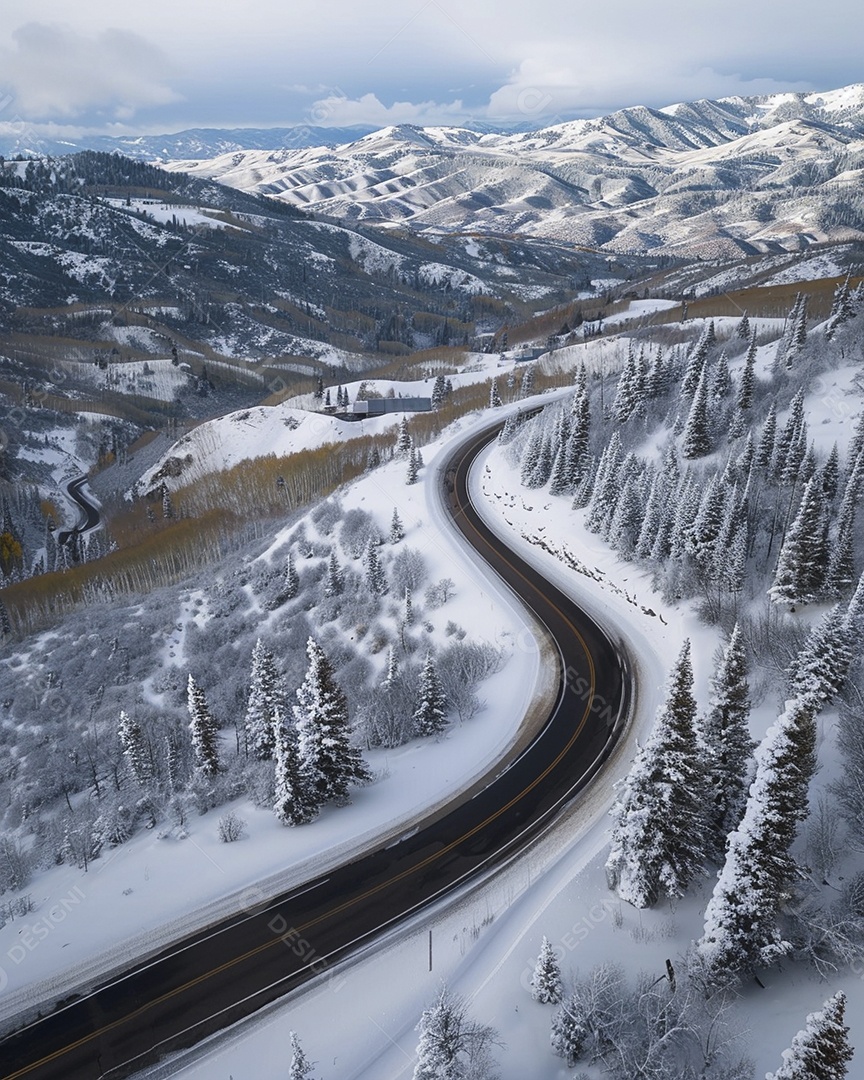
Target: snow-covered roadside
(155,888)
(485,945)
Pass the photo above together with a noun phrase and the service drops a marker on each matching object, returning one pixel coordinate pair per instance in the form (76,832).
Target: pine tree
(167,505)
(721,380)
(294,802)
(767,439)
(820,668)
(495,401)
(439,392)
(526,384)
(328,762)
(134,748)
(728,746)
(546,984)
(569,1032)
(842,309)
(392,669)
(743,327)
(375,577)
(404,442)
(803,559)
(606,484)
(397,529)
(741,928)
(821,1051)
(430,716)
(290,581)
(408,616)
(696,359)
(748,376)
(203,731)
(299,1067)
(265,705)
(660,815)
(829,476)
(696,440)
(5,623)
(333,583)
(413,472)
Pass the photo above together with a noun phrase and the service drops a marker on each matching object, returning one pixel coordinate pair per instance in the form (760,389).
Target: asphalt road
(90,512)
(218,976)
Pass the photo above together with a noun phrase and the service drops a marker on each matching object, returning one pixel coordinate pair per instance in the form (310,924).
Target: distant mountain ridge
(200,143)
(712,178)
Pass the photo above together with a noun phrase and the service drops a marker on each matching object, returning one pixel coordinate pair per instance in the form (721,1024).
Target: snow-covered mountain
(729,177)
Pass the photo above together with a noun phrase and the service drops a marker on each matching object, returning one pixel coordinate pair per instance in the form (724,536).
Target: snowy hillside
(675,479)
(697,178)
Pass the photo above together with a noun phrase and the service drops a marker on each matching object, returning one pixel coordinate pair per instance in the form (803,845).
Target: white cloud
(52,71)
(336,110)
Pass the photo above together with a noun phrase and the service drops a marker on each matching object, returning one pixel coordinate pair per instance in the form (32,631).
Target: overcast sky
(165,65)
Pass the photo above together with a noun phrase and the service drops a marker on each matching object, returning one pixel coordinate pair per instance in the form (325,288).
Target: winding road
(203,984)
(89,510)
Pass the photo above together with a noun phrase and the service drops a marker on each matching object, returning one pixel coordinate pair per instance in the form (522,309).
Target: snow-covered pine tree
(820,668)
(430,716)
(404,442)
(333,583)
(728,746)
(329,764)
(829,475)
(413,472)
(495,401)
(135,749)
(606,485)
(375,576)
(842,309)
(696,438)
(803,559)
(294,803)
(821,1051)
(658,839)
(696,360)
(791,445)
(742,330)
(290,581)
(299,1066)
(569,1032)
(741,921)
(439,392)
(392,669)
(167,504)
(546,984)
(265,705)
(630,393)
(408,613)
(397,529)
(202,729)
(526,386)
(767,440)
(626,521)
(721,380)
(748,376)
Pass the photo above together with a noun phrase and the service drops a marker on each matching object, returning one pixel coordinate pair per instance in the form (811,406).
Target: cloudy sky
(165,65)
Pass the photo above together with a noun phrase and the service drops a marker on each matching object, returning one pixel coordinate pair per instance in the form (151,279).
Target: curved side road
(91,513)
(219,976)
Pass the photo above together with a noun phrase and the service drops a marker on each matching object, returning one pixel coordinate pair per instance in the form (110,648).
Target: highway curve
(218,976)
